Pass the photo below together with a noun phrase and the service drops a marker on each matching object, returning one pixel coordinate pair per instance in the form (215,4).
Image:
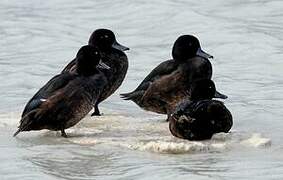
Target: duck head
(186,47)
(88,59)
(105,39)
(202,89)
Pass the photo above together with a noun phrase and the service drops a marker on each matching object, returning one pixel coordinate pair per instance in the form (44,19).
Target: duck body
(166,85)
(200,120)
(65,107)
(68,97)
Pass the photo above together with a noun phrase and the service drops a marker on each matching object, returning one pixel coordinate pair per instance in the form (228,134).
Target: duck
(199,117)
(68,97)
(112,55)
(165,85)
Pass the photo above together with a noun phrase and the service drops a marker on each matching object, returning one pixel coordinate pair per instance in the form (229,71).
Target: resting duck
(113,56)
(200,117)
(165,86)
(67,97)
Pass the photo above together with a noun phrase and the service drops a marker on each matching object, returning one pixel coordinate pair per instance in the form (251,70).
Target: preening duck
(200,117)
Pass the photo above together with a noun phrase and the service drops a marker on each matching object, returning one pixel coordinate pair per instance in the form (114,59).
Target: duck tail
(25,122)
(17,132)
(126,96)
(134,96)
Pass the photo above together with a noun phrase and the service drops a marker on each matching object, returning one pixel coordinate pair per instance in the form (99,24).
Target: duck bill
(219,95)
(102,65)
(120,47)
(203,54)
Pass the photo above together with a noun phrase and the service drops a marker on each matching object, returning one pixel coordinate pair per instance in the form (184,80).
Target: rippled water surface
(37,38)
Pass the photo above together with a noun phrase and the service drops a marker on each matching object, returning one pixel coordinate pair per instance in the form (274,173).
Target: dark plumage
(112,55)
(165,86)
(67,97)
(200,117)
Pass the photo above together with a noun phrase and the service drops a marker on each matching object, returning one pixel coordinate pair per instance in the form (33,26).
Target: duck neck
(88,72)
(179,61)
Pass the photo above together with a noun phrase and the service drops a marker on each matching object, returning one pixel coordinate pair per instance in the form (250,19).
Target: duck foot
(168,117)
(95,114)
(96,111)
(63,133)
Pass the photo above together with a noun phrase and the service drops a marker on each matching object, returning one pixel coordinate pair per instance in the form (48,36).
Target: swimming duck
(67,97)
(165,86)
(200,117)
(112,55)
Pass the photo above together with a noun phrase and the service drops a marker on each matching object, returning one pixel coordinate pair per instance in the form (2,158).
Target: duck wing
(71,67)
(162,69)
(57,82)
(38,113)
(163,86)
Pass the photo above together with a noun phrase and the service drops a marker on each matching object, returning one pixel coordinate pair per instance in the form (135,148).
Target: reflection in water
(79,164)
(88,163)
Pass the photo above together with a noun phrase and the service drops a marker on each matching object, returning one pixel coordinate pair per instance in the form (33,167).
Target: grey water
(37,38)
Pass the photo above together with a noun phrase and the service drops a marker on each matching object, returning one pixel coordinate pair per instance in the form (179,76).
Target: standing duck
(200,117)
(165,86)
(67,97)
(113,56)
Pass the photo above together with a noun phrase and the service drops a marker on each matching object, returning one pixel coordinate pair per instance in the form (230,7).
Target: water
(37,38)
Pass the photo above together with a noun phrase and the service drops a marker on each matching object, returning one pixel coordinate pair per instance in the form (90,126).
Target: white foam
(256,140)
(167,144)
(176,148)
(85,141)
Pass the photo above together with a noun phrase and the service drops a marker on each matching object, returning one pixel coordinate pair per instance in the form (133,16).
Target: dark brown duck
(166,85)
(200,117)
(113,56)
(67,97)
